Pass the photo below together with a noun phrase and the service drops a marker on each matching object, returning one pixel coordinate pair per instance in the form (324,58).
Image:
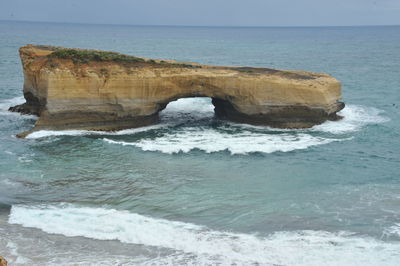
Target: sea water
(197,190)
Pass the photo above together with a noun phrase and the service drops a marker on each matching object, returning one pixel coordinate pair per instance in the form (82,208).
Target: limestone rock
(3,261)
(97,90)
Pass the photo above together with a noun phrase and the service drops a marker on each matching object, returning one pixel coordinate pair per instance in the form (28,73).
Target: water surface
(197,190)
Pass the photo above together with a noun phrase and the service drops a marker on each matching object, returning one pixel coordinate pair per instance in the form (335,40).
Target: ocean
(196,190)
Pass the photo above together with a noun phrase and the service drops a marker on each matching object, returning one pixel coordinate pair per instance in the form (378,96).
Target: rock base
(92,122)
(278,116)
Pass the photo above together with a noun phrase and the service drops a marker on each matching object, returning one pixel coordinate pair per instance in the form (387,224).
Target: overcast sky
(207,12)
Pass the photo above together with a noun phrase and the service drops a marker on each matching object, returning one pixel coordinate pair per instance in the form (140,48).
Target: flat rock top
(89,56)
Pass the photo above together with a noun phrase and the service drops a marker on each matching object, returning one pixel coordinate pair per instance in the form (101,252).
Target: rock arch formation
(97,90)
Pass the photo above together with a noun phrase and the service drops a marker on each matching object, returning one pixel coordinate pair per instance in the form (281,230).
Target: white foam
(211,140)
(176,112)
(393,230)
(30,250)
(354,118)
(254,139)
(6,104)
(197,107)
(51,133)
(281,248)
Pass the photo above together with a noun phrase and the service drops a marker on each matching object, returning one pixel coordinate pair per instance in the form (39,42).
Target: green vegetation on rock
(79,56)
(85,56)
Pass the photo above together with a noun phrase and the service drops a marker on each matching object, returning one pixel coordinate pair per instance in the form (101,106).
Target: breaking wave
(244,139)
(5,104)
(195,244)
(354,118)
(187,124)
(51,133)
(211,140)
(393,230)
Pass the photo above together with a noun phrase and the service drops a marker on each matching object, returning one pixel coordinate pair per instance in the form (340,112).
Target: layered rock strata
(97,90)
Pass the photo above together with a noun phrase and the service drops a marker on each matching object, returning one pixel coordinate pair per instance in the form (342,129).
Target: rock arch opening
(188,109)
(197,106)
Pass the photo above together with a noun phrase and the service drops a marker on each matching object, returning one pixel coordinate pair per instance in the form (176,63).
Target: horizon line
(197,26)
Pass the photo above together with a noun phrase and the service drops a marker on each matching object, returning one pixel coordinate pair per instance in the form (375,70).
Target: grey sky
(207,12)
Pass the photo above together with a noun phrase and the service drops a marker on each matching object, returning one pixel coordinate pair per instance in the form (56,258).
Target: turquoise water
(201,191)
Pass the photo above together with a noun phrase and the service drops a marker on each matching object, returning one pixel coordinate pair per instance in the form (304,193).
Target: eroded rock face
(96,90)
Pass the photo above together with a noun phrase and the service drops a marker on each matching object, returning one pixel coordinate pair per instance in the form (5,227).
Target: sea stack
(98,90)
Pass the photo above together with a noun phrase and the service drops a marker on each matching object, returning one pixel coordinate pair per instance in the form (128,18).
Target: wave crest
(282,248)
(210,140)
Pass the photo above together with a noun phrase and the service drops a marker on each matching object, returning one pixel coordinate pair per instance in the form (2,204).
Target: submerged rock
(98,90)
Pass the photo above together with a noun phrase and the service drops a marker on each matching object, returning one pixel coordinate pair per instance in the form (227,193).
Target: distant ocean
(200,191)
